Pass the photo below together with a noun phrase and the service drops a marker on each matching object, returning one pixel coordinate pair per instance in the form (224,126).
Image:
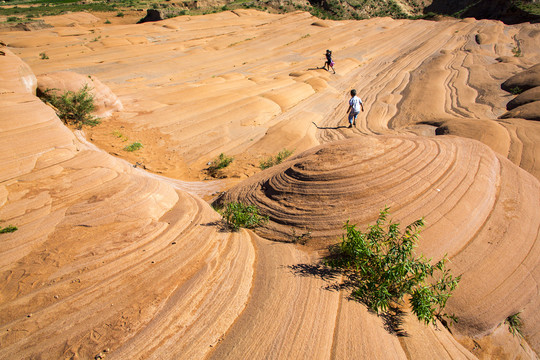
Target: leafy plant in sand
(133,146)
(278,159)
(222,161)
(73,107)
(383,270)
(237,215)
(8,229)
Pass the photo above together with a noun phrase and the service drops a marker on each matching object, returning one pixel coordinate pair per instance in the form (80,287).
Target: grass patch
(222,161)
(8,229)
(382,269)
(237,215)
(73,107)
(514,324)
(516,90)
(274,160)
(133,146)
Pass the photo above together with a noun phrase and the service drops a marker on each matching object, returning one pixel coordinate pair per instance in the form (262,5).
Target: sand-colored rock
(105,101)
(111,257)
(524,80)
(440,179)
(529,111)
(16,76)
(525,97)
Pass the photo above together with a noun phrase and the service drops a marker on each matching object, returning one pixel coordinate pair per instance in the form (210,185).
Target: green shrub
(8,229)
(43,56)
(516,90)
(382,269)
(107,21)
(119,14)
(516,51)
(221,162)
(237,215)
(13,19)
(278,159)
(73,107)
(133,146)
(514,324)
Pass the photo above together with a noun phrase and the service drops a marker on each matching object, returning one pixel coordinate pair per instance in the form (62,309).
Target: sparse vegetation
(516,90)
(133,146)
(514,324)
(73,107)
(238,215)
(107,21)
(43,56)
(278,159)
(8,229)
(382,269)
(119,14)
(221,162)
(516,51)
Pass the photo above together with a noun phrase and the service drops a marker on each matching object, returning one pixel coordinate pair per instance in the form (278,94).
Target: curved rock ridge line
(16,75)
(105,258)
(480,210)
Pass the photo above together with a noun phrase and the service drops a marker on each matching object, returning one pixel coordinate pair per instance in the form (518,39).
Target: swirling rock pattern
(481,211)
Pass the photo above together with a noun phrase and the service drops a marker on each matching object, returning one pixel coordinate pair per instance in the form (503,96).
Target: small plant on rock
(133,146)
(221,162)
(73,107)
(516,90)
(382,269)
(43,56)
(514,324)
(8,229)
(278,159)
(237,215)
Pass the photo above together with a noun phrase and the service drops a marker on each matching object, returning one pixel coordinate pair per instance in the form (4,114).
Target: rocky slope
(113,261)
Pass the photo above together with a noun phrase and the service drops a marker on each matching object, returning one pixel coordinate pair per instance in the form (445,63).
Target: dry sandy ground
(116,262)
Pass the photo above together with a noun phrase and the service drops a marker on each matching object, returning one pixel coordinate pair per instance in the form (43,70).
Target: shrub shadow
(339,280)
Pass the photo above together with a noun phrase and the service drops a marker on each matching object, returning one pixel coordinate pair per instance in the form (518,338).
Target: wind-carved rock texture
(481,210)
(105,257)
(111,260)
(105,101)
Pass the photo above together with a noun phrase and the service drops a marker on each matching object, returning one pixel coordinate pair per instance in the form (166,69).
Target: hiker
(329,62)
(355,104)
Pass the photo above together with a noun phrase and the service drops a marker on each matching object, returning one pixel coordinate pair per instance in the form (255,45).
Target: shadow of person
(330,127)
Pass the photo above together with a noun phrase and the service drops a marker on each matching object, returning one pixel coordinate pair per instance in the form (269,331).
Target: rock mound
(16,75)
(105,101)
(481,210)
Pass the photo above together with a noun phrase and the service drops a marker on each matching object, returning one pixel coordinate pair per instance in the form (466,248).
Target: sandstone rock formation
(112,261)
(105,101)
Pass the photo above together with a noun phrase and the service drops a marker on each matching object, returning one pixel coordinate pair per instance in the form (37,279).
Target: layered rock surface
(112,261)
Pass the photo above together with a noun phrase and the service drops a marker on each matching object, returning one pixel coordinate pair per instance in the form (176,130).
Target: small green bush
(133,146)
(237,215)
(43,56)
(516,90)
(221,162)
(382,269)
(73,107)
(119,14)
(8,229)
(107,21)
(13,19)
(278,159)
(514,324)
